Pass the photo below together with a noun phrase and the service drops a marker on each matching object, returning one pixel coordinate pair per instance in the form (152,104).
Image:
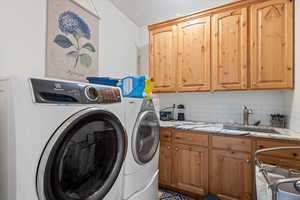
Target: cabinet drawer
(289,154)
(165,134)
(284,163)
(188,137)
(230,143)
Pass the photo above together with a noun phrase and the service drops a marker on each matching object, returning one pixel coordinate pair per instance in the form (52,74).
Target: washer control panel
(60,92)
(91,93)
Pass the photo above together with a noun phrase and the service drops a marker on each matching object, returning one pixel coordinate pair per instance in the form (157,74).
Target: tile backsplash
(228,106)
(293,105)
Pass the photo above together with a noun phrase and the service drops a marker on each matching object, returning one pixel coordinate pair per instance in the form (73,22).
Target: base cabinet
(231,175)
(165,164)
(200,163)
(288,159)
(182,165)
(190,168)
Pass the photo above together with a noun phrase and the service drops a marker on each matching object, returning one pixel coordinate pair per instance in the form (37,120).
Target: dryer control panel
(60,92)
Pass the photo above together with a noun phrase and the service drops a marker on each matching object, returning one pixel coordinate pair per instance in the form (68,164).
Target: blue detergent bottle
(132,86)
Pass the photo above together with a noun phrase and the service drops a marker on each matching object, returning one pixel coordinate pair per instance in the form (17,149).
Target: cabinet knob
(248,161)
(168,147)
(295,154)
(176,149)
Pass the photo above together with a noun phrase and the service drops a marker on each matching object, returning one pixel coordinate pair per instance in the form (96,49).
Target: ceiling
(145,12)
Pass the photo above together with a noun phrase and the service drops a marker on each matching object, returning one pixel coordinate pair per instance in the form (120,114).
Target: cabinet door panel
(165,164)
(231,175)
(272,45)
(191,169)
(194,55)
(230,50)
(163,50)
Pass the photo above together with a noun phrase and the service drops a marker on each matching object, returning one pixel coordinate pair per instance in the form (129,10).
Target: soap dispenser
(180,110)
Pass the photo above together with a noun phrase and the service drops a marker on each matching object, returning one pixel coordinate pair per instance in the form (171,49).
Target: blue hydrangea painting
(72,25)
(72,41)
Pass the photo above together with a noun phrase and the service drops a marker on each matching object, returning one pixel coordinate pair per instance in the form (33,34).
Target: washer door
(145,139)
(83,158)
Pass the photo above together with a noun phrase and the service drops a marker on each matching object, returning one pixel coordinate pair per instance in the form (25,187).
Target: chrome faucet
(247,113)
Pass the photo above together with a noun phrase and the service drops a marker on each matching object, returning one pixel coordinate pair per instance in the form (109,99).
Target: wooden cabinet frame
(272,33)
(163,54)
(226,155)
(232,168)
(217,73)
(187,160)
(187,157)
(229,47)
(165,164)
(194,67)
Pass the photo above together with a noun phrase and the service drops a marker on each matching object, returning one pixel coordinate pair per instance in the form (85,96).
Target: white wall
(144,12)
(293,98)
(118,41)
(227,106)
(23,39)
(143,49)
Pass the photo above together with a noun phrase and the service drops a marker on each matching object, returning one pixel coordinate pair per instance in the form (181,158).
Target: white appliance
(141,163)
(60,140)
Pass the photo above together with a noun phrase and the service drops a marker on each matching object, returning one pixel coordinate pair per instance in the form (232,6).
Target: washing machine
(141,163)
(60,140)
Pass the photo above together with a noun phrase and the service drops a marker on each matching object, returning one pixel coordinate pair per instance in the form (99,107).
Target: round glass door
(145,137)
(83,158)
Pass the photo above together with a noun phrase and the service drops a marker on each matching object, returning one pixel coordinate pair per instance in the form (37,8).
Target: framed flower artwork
(72,41)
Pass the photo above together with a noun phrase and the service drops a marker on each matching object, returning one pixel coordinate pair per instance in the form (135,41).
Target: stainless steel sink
(250,129)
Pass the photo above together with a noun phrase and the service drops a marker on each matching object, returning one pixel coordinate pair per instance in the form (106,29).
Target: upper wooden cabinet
(244,45)
(163,50)
(229,57)
(272,45)
(194,55)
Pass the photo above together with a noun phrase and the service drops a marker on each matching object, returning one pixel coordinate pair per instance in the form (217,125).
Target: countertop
(217,128)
